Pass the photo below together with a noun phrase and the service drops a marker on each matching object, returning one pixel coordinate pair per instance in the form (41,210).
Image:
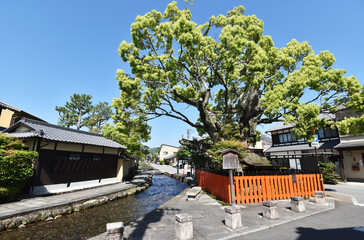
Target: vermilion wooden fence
(255,189)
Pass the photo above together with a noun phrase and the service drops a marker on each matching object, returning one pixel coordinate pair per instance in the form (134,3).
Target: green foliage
(71,114)
(228,71)
(8,192)
(130,127)
(16,165)
(80,112)
(161,162)
(144,165)
(217,148)
(10,143)
(329,174)
(183,153)
(99,115)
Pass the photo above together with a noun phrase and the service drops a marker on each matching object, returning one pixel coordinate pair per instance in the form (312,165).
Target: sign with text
(230,161)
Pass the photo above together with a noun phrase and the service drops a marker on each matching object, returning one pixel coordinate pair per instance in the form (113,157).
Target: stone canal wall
(189,180)
(48,214)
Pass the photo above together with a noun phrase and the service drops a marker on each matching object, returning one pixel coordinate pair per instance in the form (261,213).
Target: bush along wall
(329,174)
(16,166)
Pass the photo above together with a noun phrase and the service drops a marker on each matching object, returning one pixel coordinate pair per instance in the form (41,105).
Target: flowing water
(91,222)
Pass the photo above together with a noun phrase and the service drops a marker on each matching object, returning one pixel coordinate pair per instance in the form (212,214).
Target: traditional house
(9,115)
(294,153)
(68,156)
(166,151)
(351,150)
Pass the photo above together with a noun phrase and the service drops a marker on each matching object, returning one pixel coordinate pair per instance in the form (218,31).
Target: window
(327,132)
(165,153)
(96,158)
(74,157)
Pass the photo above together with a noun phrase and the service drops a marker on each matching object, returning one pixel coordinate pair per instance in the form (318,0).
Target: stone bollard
(270,209)
(183,227)
(297,204)
(319,197)
(115,231)
(233,217)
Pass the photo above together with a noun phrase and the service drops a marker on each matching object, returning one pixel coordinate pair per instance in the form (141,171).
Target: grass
(214,197)
(144,165)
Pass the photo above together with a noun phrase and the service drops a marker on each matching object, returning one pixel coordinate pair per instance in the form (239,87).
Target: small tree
(99,115)
(217,148)
(71,114)
(329,174)
(16,166)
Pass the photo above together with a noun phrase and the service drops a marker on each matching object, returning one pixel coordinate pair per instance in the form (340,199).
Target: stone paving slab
(208,219)
(29,205)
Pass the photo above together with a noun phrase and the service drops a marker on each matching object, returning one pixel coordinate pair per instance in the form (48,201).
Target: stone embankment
(50,213)
(189,180)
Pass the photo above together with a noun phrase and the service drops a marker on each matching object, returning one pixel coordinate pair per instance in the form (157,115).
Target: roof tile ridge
(59,127)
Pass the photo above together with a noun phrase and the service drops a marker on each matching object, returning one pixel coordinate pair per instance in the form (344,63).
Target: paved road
(331,225)
(353,189)
(8,210)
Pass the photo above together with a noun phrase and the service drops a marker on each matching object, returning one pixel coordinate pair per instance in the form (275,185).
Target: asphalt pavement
(353,190)
(345,222)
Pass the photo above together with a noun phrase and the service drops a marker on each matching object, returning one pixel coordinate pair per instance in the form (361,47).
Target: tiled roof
(19,111)
(281,126)
(302,147)
(350,144)
(61,134)
(4,105)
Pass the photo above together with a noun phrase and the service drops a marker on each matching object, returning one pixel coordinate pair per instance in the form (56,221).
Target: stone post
(183,227)
(270,209)
(319,197)
(297,204)
(114,231)
(233,217)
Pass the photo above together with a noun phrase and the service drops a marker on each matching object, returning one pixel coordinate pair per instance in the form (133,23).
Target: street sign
(230,160)
(315,142)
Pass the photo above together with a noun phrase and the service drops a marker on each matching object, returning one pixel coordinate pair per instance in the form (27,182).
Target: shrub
(161,162)
(329,174)
(215,151)
(16,166)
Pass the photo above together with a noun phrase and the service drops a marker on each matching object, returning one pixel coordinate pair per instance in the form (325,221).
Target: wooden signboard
(230,160)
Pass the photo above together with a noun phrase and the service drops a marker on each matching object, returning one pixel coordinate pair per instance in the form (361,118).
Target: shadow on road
(329,234)
(140,226)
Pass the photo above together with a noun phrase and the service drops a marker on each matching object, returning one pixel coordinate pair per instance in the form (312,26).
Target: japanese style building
(68,155)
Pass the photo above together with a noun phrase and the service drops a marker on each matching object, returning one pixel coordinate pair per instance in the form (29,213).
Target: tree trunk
(79,121)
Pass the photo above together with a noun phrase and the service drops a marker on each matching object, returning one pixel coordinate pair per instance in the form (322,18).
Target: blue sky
(51,49)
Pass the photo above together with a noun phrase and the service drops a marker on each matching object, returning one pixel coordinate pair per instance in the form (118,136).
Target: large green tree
(130,127)
(230,73)
(72,113)
(98,116)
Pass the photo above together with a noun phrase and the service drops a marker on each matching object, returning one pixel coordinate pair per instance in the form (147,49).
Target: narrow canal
(91,222)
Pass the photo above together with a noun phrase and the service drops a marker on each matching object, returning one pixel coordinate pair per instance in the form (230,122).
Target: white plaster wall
(92,149)
(169,149)
(353,159)
(69,147)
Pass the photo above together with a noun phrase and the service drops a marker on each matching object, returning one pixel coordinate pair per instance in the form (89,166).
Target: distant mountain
(152,150)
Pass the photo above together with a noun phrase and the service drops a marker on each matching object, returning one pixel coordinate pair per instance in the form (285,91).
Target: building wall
(5,118)
(55,167)
(166,151)
(93,149)
(353,158)
(120,169)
